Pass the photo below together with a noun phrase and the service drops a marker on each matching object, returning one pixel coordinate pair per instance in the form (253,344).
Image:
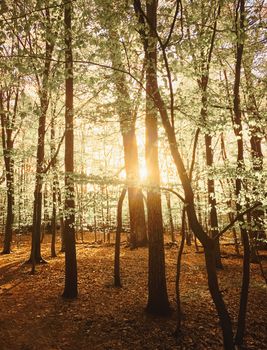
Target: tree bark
(8,145)
(117,277)
(169,207)
(240,167)
(127,115)
(70,290)
(206,241)
(203,83)
(44,103)
(54,192)
(158,302)
(212,202)
(257,216)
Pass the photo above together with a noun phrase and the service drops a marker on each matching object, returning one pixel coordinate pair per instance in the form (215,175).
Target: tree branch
(55,154)
(239,216)
(174,192)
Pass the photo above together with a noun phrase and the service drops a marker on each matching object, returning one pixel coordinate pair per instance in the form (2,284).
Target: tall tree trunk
(127,115)
(206,241)
(54,191)
(94,212)
(240,168)
(54,220)
(7,144)
(257,216)
(203,83)
(158,302)
(212,202)
(70,290)
(44,102)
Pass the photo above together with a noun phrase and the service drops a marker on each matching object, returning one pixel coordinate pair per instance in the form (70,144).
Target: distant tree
(126,107)
(117,277)
(55,186)
(201,44)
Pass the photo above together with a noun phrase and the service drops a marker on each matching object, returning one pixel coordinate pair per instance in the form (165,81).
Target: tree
(40,153)
(127,108)
(240,23)
(207,242)
(117,278)
(7,124)
(70,290)
(54,190)
(158,302)
(11,91)
(201,48)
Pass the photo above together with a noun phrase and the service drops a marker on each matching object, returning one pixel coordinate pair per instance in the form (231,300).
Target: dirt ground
(33,316)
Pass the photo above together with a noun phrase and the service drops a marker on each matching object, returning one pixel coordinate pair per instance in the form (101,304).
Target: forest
(133,197)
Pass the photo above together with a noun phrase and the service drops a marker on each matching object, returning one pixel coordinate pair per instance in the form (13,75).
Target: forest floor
(33,316)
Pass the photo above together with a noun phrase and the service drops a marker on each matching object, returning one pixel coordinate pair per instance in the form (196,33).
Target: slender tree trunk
(168,200)
(54,192)
(107,215)
(230,184)
(44,102)
(178,275)
(240,167)
(46,215)
(10,215)
(209,160)
(7,144)
(54,222)
(95,222)
(257,216)
(212,202)
(61,216)
(70,290)
(117,277)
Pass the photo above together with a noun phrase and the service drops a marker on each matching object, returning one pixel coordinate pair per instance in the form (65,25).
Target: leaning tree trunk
(70,290)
